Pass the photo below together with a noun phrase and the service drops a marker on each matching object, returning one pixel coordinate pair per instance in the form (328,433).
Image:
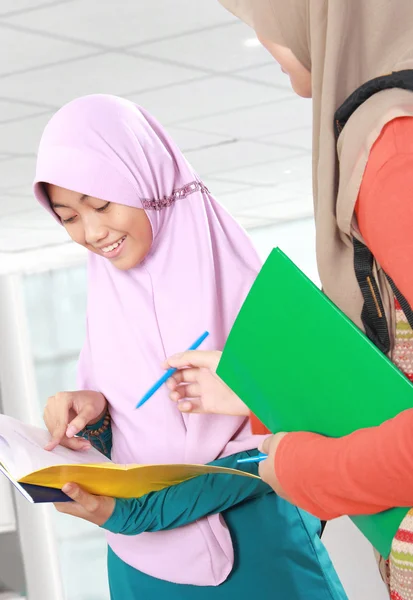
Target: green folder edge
(379,528)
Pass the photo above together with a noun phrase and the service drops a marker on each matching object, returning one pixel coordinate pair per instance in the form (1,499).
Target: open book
(39,475)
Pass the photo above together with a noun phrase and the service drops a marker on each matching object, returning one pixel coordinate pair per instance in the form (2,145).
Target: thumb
(76,443)
(57,434)
(193,358)
(86,500)
(79,422)
(265,445)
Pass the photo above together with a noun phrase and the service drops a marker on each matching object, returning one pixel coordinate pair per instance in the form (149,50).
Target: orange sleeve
(372,469)
(257,427)
(363,473)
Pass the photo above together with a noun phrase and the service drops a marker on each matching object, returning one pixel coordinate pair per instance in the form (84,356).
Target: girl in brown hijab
(355,59)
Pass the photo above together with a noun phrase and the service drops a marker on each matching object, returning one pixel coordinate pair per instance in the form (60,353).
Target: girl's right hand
(67,413)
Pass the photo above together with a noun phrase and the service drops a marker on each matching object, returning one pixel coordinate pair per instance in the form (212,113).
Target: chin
(127,263)
(306,94)
(302,89)
(123,264)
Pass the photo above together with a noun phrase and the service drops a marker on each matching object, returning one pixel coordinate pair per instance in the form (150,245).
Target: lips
(113,246)
(112,251)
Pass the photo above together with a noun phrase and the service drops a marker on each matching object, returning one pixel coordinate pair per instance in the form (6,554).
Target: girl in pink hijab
(165,263)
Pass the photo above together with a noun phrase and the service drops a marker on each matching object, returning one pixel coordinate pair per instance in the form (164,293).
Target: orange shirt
(257,427)
(371,469)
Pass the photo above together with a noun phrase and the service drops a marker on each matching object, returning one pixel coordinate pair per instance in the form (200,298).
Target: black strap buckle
(372,315)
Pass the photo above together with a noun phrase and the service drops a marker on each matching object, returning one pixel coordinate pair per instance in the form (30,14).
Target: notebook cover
(301,365)
(40,494)
(36,494)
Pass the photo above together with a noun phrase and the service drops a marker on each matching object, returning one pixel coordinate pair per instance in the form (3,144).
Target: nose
(95,230)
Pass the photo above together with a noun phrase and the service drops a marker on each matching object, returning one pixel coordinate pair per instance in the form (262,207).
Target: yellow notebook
(39,475)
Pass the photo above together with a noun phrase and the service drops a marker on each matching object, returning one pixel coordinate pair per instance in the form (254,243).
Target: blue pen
(169,373)
(258,458)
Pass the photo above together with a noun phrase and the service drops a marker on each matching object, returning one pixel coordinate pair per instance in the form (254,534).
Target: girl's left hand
(196,387)
(96,509)
(267,467)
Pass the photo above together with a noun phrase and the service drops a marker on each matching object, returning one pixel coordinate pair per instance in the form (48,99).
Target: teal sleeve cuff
(97,425)
(103,441)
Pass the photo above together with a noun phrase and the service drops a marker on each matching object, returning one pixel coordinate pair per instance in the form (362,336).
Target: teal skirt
(278,555)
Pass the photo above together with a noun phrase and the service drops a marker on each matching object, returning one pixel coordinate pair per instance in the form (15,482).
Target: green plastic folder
(301,365)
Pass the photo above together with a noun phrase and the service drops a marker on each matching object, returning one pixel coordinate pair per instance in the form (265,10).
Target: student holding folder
(355,59)
(165,262)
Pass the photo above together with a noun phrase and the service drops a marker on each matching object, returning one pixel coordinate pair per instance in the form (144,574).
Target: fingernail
(86,446)
(70,431)
(67,488)
(179,355)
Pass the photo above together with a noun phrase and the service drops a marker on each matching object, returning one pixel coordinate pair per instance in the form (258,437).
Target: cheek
(147,236)
(142,238)
(139,228)
(76,233)
(121,220)
(142,243)
(299,76)
(136,225)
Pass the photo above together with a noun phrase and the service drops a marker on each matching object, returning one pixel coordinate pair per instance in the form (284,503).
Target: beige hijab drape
(344,43)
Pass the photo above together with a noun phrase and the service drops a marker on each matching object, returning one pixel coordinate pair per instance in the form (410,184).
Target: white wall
(295,238)
(352,555)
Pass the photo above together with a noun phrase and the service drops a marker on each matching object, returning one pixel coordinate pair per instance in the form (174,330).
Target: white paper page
(22,449)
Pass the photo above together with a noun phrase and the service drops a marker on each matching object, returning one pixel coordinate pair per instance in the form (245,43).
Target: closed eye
(68,220)
(103,208)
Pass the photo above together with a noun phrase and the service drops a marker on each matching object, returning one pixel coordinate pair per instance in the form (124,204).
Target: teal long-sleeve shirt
(169,508)
(278,551)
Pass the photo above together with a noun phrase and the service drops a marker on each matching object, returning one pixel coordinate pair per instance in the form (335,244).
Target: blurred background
(230,108)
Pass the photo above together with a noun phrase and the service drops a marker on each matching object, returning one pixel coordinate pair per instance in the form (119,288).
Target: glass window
(56,307)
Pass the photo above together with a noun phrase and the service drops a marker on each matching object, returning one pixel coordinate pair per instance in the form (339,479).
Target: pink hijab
(195,278)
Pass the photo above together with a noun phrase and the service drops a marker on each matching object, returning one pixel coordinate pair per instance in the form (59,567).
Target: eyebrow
(82,198)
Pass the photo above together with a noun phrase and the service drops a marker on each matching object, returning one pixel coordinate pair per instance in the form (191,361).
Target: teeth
(113,246)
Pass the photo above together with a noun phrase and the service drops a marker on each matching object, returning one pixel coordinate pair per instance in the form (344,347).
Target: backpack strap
(372,315)
(398,79)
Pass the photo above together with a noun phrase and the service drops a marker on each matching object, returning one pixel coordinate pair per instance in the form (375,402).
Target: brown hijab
(344,43)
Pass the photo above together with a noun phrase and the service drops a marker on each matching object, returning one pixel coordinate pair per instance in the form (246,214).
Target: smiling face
(120,233)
